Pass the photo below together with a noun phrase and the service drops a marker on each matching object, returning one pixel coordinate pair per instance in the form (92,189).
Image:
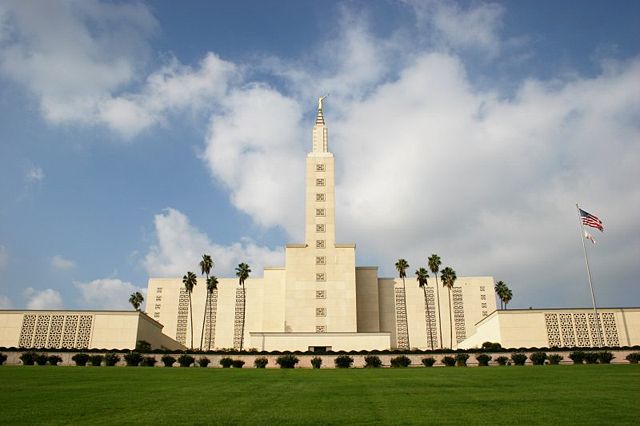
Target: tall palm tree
(190,280)
(212,284)
(402,266)
(421,275)
(508,295)
(242,272)
(136,300)
(434,265)
(205,267)
(448,278)
(500,288)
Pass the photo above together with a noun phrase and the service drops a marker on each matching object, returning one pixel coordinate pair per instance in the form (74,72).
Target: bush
(605,357)
(80,359)
(238,363)
(143,346)
(483,360)
(343,361)
(168,360)
(203,362)
(28,358)
(372,361)
(518,359)
(41,359)
(3,358)
(132,359)
(96,360)
(287,361)
(148,361)
(316,362)
(538,358)
(400,361)
(555,359)
(591,357)
(226,362)
(633,357)
(111,359)
(260,362)
(461,360)
(54,359)
(428,361)
(577,357)
(185,360)
(502,360)
(490,346)
(448,361)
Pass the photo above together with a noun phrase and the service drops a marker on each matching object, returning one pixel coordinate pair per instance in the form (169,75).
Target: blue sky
(134,136)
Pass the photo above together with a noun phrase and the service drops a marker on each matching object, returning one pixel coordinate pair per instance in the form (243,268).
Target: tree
(190,280)
(421,275)
(242,272)
(448,279)
(508,295)
(434,265)
(212,284)
(136,300)
(205,267)
(402,266)
(500,287)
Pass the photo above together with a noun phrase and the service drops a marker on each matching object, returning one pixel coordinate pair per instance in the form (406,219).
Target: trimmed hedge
(538,358)
(111,359)
(287,361)
(203,362)
(461,360)
(554,359)
(428,361)
(96,360)
(483,360)
(502,360)
(80,359)
(168,360)
(133,359)
(343,361)
(372,361)
(316,362)
(186,360)
(226,362)
(633,357)
(518,358)
(448,361)
(260,362)
(237,363)
(400,361)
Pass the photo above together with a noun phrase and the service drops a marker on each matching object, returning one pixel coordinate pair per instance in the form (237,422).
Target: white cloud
(34,174)
(180,247)
(107,293)
(43,299)
(59,262)
(4,257)
(5,303)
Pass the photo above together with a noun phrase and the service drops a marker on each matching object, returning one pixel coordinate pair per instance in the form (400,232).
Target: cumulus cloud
(107,293)
(43,299)
(62,264)
(5,303)
(180,246)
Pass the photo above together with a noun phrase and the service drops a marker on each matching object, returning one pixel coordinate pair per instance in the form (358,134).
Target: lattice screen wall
(430,318)
(239,316)
(402,329)
(458,314)
(580,329)
(72,331)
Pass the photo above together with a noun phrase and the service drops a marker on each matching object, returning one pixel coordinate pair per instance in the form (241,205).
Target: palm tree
(434,265)
(136,300)
(190,280)
(448,278)
(421,275)
(205,267)
(242,272)
(212,284)
(508,295)
(402,266)
(500,288)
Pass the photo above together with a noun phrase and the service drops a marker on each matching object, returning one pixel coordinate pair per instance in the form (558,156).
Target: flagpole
(586,261)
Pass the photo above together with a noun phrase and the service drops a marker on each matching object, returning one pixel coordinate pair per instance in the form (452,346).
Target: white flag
(589,237)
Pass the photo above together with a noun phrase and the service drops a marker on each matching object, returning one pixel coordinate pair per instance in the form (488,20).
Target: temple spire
(320,116)
(320,135)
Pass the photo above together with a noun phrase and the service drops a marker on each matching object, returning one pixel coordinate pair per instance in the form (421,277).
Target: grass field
(586,394)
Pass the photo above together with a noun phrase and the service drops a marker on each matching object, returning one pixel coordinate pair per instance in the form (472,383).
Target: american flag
(591,220)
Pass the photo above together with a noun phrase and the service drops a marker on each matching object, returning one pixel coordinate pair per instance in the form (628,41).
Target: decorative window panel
(159,290)
(481,288)
(26,332)
(320,244)
(430,319)
(320,197)
(56,331)
(321,312)
(157,306)
(321,328)
(239,316)
(320,212)
(483,297)
(182,318)
(320,168)
(483,305)
(320,182)
(484,313)
(553,331)
(567,332)
(211,315)
(320,227)
(610,329)
(158,298)
(321,260)
(402,330)
(321,294)
(156,314)
(458,313)
(320,276)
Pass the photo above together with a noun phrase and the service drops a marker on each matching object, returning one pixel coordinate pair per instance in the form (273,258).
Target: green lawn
(588,394)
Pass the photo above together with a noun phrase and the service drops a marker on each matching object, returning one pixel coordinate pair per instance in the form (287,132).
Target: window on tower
(319,182)
(320,276)
(320,244)
(319,197)
(321,328)
(321,260)
(321,312)
(321,294)
(320,167)
(320,212)
(320,227)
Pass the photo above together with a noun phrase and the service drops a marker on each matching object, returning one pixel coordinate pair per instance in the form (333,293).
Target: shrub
(203,362)
(591,357)
(491,346)
(238,363)
(226,362)
(538,358)
(96,360)
(555,359)
(633,357)
(143,346)
(111,359)
(80,359)
(400,361)
(483,360)
(28,358)
(287,361)
(168,360)
(448,361)
(185,360)
(605,357)
(3,358)
(372,361)
(461,360)
(518,359)
(428,361)
(41,359)
(148,361)
(316,362)
(577,357)
(343,361)
(502,360)
(260,362)
(54,359)
(132,359)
